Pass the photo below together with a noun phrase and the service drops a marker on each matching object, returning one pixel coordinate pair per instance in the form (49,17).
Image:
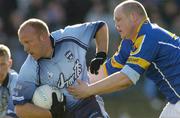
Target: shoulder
(13,75)
(28,69)
(29,63)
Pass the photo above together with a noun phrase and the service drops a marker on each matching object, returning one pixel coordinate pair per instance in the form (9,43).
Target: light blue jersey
(67,64)
(157,51)
(6,90)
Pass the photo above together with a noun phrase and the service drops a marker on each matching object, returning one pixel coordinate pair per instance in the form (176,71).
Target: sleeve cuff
(131,73)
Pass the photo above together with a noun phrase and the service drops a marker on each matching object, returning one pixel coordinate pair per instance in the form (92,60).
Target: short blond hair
(39,25)
(5,51)
(130,6)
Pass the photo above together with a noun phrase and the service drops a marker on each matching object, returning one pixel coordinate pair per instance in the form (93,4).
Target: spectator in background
(169,9)
(3,39)
(176,25)
(56,15)
(15,19)
(76,10)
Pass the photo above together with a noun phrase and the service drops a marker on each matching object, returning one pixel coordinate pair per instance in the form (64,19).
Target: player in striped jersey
(155,50)
(8,80)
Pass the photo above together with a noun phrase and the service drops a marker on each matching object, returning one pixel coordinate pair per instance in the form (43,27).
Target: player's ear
(10,63)
(41,37)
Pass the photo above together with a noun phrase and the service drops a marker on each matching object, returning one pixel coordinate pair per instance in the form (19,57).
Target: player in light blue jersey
(155,50)
(58,59)
(8,80)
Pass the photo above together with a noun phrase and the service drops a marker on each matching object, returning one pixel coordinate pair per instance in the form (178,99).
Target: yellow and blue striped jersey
(118,60)
(156,51)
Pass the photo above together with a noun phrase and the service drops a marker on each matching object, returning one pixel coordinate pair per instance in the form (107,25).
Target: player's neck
(1,80)
(50,52)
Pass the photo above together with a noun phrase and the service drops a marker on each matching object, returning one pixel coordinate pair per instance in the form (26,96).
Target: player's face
(122,23)
(5,65)
(30,39)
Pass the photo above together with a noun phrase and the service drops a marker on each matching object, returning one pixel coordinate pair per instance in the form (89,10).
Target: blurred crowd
(59,13)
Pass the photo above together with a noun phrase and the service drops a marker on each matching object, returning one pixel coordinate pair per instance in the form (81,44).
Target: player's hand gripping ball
(43,96)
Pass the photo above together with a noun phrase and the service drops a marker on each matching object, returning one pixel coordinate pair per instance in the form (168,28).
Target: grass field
(130,104)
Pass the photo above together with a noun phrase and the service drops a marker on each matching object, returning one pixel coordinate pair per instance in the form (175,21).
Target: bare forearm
(102,39)
(31,111)
(115,82)
(94,78)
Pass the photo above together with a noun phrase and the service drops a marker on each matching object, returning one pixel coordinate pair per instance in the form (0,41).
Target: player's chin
(35,57)
(122,36)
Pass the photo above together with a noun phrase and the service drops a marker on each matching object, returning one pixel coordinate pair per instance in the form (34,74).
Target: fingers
(54,98)
(91,70)
(96,72)
(79,81)
(73,91)
(64,99)
(78,90)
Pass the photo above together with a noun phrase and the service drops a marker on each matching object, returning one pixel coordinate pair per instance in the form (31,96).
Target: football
(42,96)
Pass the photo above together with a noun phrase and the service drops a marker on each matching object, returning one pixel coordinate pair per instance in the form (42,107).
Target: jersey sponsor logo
(137,45)
(63,82)
(138,61)
(69,55)
(50,75)
(115,64)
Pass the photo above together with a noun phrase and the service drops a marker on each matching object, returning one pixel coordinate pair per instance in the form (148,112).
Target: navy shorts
(92,107)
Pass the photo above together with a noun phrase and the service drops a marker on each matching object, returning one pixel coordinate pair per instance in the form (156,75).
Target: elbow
(129,83)
(126,82)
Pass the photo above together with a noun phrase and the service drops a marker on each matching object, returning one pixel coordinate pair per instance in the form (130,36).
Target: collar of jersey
(138,29)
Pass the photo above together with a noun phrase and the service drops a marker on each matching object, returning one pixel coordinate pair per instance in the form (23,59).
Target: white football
(42,96)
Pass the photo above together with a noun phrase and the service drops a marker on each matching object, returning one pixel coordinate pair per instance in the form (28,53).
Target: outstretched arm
(112,83)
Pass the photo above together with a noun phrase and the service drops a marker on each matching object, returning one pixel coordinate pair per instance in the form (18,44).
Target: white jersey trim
(131,73)
(169,44)
(18,98)
(164,78)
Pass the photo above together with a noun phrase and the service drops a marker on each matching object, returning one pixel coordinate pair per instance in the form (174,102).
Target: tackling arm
(112,83)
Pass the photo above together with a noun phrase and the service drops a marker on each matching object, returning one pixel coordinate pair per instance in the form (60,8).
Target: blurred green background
(132,103)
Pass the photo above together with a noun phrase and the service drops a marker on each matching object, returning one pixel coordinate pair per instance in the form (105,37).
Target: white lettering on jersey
(69,55)
(77,71)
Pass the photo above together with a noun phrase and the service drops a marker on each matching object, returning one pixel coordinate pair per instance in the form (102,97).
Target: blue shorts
(92,107)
